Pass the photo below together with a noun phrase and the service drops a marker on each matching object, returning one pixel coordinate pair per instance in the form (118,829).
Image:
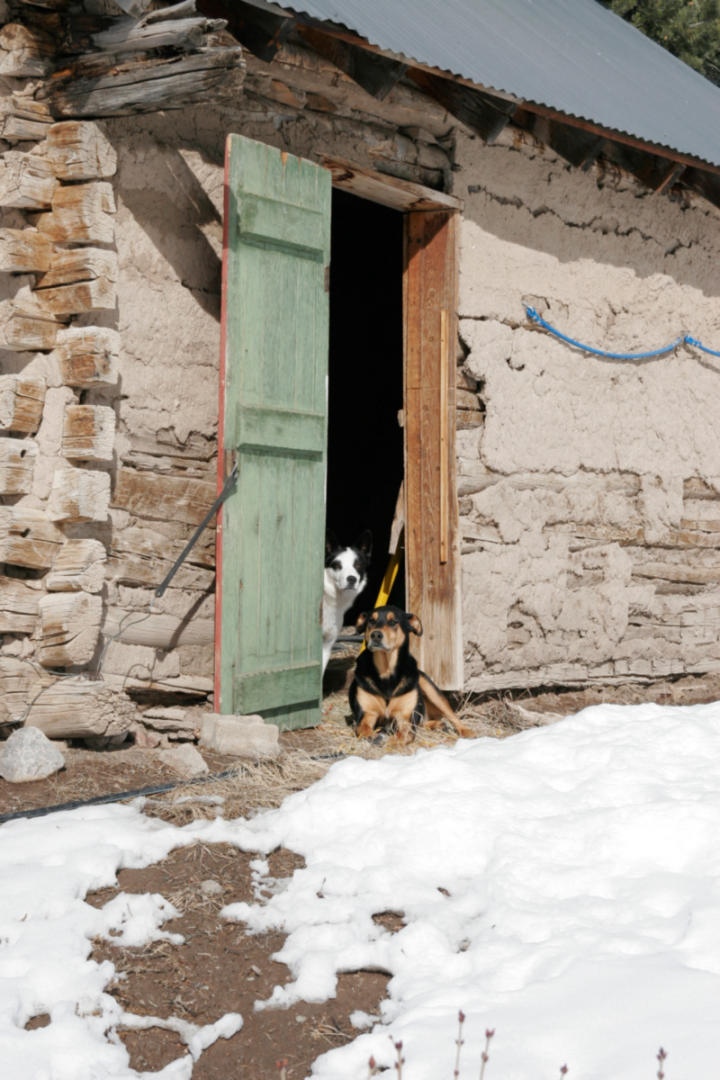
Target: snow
(560,887)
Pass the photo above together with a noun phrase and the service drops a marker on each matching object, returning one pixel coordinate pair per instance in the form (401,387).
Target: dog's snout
(376,635)
(351,580)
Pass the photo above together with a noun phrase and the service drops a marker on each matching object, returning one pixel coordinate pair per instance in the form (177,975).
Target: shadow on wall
(170,205)
(537,201)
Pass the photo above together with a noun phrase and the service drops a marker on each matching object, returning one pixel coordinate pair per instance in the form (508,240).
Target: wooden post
(26,181)
(19,609)
(80,150)
(79,494)
(431,530)
(81,214)
(17,463)
(21,402)
(88,433)
(79,566)
(28,538)
(70,627)
(87,356)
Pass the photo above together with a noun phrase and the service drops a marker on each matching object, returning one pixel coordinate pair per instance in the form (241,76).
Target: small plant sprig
(400,1060)
(459,1044)
(484,1057)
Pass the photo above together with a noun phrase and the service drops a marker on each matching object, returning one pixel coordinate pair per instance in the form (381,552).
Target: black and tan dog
(389,688)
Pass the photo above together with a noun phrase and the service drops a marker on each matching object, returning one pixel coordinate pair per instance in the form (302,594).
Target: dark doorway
(365,439)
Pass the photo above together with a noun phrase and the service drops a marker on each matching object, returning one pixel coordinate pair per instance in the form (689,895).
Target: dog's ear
(414,625)
(361,622)
(364,542)
(330,541)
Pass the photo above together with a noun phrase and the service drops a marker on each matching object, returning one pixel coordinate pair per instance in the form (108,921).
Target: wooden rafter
(485,115)
(375,74)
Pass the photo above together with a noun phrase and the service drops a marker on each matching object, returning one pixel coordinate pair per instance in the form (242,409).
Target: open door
(432,545)
(273,424)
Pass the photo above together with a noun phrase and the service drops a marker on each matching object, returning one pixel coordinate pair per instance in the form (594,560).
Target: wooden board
(431,510)
(275,308)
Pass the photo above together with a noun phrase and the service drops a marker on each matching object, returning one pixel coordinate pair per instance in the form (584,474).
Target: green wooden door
(275,300)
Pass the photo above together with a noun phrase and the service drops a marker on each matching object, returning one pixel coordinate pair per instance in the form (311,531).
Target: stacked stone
(57,420)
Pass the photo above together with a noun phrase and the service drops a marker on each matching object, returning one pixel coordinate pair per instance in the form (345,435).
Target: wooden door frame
(432,536)
(430,303)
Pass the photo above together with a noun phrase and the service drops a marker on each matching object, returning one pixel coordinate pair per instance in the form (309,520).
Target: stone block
(244,736)
(28,755)
(186,761)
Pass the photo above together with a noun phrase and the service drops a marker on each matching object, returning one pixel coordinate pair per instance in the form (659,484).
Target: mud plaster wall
(590,497)
(169,193)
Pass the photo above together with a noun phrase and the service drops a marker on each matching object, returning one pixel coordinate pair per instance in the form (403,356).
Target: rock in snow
(28,754)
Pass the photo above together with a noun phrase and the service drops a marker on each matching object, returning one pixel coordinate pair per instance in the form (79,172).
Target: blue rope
(684,339)
(699,345)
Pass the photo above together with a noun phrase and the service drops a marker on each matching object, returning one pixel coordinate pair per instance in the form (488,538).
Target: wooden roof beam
(375,74)
(498,96)
(478,111)
(262,33)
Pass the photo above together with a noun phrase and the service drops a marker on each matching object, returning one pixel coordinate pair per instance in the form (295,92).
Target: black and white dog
(345,578)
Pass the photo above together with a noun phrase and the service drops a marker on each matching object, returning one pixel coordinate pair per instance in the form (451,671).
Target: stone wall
(155,393)
(589,489)
(590,497)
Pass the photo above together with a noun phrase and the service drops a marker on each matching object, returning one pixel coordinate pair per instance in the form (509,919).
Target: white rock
(28,754)
(210,887)
(185,760)
(245,736)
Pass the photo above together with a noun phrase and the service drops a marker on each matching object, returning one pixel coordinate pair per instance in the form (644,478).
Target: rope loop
(651,354)
(684,339)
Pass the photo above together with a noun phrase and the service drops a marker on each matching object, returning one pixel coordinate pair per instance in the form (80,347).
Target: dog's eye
(337,565)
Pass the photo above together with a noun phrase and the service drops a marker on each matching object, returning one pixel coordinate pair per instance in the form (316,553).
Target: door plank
(431,510)
(275,310)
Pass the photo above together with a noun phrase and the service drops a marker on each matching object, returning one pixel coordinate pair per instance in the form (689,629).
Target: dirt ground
(220,968)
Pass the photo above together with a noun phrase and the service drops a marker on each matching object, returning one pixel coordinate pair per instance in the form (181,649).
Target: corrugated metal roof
(573,56)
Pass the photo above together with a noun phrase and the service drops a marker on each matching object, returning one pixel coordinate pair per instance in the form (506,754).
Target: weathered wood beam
(19,609)
(481,113)
(87,355)
(24,327)
(128,35)
(81,213)
(27,181)
(22,119)
(88,433)
(28,538)
(261,32)
(17,464)
(673,174)
(79,566)
(79,494)
(25,52)
(388,190)
(137,86)
(23,250)
(80,150)
(158,630)
(78,281)
(47,5)
(377,75)
(22,398)
(78,708)
(134,7)
(151,495)
(70,628)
